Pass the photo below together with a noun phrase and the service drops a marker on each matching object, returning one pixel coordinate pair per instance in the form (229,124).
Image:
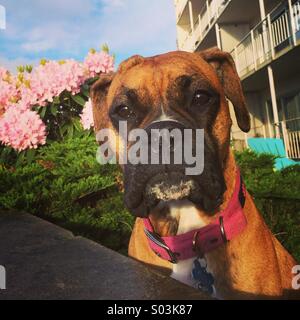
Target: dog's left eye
(125,112)
(201,97)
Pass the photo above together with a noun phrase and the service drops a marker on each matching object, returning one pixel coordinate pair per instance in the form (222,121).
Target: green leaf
(79,100)
(62,130)
(28,68)
(21,69)
(89,82)
(77,124)
(56,100)
(30,154)
(5,153)
(42,112)
(53,109)
(85,91)
(105,48)
(20,159)
(70,131)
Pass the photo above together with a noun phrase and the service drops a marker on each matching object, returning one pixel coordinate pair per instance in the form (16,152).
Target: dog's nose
(165,133)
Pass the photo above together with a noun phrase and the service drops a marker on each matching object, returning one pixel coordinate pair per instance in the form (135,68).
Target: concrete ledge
(44,261)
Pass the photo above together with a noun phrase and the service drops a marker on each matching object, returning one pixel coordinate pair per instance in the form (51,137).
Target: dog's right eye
(201,97)
(125,112)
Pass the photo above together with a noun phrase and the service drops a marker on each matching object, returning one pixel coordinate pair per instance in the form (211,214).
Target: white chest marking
(189,219)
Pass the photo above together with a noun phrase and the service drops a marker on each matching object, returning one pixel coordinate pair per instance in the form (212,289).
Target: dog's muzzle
(146,185)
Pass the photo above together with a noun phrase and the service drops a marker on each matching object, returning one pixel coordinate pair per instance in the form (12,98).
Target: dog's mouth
(165,187)
(169,186)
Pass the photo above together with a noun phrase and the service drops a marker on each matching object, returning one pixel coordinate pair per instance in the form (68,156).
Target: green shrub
(276,194)
(66,185)
(261,179)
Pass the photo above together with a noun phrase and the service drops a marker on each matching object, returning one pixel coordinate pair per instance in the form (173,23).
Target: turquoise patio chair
(272,146)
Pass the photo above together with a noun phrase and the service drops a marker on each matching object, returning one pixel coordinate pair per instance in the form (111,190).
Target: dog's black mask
(146,185)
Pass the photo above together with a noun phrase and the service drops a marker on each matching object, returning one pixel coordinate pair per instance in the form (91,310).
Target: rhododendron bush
(49,102)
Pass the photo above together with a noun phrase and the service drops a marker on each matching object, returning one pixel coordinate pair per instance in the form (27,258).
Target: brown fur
(252,265)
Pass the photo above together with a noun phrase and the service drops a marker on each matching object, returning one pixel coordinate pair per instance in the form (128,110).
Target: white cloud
(2,17)
(12,64)
(37,46)
(108,4)
(68,28)
(138,26)
(52,36)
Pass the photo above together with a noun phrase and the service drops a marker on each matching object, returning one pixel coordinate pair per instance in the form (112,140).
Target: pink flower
(87,118)
(50,80)
(74,75)
(20,127)
(22,130)
(98,62)
(8,91)
(3,73)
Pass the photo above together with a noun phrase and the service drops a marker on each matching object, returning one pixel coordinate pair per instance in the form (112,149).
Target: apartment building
(263,37)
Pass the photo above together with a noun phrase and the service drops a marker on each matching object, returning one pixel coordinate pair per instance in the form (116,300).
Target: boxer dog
(204,229)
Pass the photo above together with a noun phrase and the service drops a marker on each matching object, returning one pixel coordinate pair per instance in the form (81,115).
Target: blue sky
(59,29)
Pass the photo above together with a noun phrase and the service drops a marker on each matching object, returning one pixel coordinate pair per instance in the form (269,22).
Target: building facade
(263,37)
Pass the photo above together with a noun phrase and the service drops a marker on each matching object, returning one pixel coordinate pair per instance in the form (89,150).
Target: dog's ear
(98,95)
(224,65)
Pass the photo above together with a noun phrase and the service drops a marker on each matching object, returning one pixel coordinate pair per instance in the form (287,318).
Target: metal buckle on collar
(195,248)
(154,237)
(223,234)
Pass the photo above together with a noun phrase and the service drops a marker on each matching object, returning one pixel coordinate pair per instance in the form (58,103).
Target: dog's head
(177,90)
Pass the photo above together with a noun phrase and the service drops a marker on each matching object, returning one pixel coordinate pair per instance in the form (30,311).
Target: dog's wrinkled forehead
(153,77)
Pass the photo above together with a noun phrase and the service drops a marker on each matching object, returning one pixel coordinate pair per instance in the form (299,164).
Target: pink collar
(230,223)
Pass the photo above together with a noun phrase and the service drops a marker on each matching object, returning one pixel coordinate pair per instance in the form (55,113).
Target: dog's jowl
(203,228)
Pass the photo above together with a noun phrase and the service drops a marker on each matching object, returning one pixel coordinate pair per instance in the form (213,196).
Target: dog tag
(203,279)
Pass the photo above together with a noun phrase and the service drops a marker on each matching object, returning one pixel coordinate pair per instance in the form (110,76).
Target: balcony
(207,17)
(189,43)
(180,6)
(272,37)
(291,136)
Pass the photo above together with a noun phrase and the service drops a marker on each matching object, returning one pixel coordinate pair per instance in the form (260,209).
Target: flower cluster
(8,89)
(98,62)
(50,80)
(7,93)
(86,118)
(22,128)
(3,73)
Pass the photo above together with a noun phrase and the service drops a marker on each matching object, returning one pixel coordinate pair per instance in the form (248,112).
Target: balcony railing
(208,15)
(180,6)
(278,31)
(291,136)
(189,41)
